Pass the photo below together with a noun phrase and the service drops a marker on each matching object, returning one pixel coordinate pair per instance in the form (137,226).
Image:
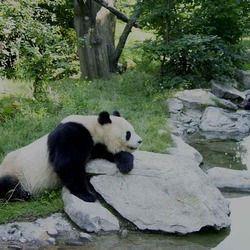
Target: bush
(195,40)
(32,49)
(193,59)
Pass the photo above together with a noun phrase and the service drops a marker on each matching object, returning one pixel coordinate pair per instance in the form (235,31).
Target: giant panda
(60,157)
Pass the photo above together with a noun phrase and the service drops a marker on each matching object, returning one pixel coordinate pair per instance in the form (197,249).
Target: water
(239,237)
(219,153)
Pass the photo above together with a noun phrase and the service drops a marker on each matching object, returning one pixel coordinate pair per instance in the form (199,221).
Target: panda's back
(31,166)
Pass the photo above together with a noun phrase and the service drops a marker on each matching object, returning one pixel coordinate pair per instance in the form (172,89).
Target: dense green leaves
(33,49)
(193,58)
(195,40)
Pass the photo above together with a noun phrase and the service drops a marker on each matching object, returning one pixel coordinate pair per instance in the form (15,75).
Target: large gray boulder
(162,193)
(222,123)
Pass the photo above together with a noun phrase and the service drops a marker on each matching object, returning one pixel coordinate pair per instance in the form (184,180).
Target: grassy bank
(25,120)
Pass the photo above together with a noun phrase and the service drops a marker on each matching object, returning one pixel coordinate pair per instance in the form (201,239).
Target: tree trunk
(95,29)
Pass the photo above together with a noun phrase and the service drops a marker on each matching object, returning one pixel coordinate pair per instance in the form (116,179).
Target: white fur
(31,166)
(30,163)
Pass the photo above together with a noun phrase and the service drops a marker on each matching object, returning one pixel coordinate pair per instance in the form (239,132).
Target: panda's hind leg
(10,189)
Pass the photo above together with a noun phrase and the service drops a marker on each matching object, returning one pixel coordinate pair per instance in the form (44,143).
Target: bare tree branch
(124,36)
(114,10)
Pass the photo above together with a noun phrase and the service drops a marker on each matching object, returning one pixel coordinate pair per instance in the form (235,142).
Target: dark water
(219,153)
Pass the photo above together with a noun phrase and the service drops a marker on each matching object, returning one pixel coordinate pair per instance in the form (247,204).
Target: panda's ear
(104,118)
(116,113)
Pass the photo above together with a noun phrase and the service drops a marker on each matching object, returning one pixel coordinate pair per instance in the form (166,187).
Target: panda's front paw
(124,162)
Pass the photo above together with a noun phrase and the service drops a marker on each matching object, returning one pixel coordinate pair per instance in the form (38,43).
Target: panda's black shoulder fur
(69,139)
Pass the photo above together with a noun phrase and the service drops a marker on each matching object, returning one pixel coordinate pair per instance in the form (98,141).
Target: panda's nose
(140,141)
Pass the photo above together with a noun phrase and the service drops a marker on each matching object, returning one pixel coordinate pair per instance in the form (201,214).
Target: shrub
(30,48)
(193,59)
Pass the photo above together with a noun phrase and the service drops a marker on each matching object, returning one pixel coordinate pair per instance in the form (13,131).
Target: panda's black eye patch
(128,135)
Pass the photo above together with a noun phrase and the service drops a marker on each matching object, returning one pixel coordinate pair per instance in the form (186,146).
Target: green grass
(50,202)
(131,94)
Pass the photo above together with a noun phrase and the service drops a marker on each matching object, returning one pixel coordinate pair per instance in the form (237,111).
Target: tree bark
(115,11)
(95,29)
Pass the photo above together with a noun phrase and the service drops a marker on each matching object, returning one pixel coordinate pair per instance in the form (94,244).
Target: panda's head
(119,134)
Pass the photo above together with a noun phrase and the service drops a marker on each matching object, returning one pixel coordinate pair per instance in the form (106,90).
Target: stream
(215,153)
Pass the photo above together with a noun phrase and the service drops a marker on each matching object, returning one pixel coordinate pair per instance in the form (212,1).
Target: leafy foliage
(195,40)
(33,49)
(228,19)
(192,59)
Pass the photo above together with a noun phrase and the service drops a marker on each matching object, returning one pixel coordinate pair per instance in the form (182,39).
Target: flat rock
(162,193)
(92,217)
(230,179)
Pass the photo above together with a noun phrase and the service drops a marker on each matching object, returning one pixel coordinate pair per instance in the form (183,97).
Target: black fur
(247,105)
(70,147)
(10,188)
(124,161)
(100,152)
(104,118)
(116,113)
